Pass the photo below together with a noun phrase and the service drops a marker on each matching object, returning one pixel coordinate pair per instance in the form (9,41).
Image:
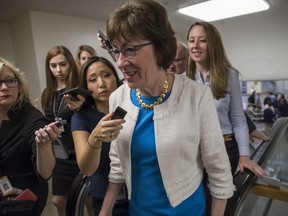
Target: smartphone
(105,40)
(119,113)
(27,194)
(77,91)
(107,43)
(60,123)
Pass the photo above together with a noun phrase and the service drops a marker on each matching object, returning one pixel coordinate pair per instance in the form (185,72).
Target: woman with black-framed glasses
(26,156)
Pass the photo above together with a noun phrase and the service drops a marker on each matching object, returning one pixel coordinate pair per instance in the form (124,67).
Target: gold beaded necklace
(159,99)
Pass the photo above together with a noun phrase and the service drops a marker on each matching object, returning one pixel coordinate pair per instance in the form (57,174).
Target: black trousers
(233,154)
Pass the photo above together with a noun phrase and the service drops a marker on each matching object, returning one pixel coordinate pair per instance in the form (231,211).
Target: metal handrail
(244,181)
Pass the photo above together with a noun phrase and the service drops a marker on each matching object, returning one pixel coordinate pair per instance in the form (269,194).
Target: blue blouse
(148,193)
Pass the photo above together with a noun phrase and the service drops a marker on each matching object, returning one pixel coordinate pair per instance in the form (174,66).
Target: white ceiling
(94,9)
(100,9)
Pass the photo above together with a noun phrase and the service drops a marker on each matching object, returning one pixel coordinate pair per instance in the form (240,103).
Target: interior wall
(257,48)
(257,45)
(50,30)
(6,46)
(24,52)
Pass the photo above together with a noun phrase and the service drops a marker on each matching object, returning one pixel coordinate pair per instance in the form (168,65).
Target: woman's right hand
(47,134)
(101,42)
(246,163)
(107,129)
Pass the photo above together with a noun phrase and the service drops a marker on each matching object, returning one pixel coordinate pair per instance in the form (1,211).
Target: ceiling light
(222,9)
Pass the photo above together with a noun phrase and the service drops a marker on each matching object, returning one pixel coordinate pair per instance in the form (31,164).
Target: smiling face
(59,67)
(8,95)
(197,45)
(102,81)
(140,71)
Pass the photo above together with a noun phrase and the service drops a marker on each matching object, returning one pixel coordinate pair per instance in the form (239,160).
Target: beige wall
(257,48)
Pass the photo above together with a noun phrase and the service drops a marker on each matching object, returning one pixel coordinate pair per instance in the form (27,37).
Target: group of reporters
(176,150)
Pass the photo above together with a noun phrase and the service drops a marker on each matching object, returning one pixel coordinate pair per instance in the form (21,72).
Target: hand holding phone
(107,44)
(105,40)
(77,91)
(60,123)
(119,113)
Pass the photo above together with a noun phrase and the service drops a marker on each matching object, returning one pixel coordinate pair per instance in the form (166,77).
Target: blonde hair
(23,95)
(82,48)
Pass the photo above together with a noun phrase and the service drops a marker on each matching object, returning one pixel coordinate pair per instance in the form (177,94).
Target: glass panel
(276,166)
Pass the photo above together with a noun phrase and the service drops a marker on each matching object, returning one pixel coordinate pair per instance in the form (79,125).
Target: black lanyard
(54,106)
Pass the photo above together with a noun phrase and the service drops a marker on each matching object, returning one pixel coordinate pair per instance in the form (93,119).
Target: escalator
(253,196)
(264,197)
(77,196)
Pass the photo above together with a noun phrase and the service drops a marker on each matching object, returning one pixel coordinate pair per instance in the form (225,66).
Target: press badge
(5,186)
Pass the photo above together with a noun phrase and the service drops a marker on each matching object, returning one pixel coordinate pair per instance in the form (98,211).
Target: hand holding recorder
(107,130)
(49,132)
(77,91)
(119,113)
(105,43)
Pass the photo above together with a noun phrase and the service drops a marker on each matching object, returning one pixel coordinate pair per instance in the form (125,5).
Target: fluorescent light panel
(222,9)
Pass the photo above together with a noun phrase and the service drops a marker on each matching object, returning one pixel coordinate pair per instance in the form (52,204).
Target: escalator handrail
(243,181)
(81,201)
(77,195)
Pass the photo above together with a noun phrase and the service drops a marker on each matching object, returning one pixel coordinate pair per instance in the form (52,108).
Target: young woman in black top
(61,75)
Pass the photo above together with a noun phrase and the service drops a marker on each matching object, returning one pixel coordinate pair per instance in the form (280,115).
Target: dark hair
(85,67)
(51,81)
(145,19)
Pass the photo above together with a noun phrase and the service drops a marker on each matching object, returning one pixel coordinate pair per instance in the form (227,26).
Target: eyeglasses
(176,61)
(13,82)
(128,52)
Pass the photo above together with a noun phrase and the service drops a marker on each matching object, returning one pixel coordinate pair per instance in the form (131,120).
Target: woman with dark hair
(89,126)
(171,131)
(61,75)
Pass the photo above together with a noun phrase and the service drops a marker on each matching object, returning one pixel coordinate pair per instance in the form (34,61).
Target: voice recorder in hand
(60,123)
(105,40)
(119,113)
